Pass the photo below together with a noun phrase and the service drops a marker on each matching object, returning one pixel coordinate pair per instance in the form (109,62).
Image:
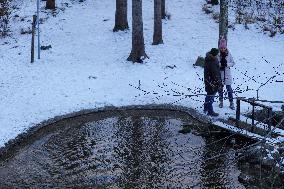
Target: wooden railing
(254,104)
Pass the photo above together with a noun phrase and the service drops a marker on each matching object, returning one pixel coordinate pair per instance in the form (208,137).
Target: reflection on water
(142,152)
(218,172)
(122,151)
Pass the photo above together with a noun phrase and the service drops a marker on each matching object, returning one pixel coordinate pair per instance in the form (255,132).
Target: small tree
(50,4)
(157,37)
(138,46)
(121,22)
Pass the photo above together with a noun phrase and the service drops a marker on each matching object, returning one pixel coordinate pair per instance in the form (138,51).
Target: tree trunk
(50,4)
(163,9)
(158,34)
(138,47)
(121,22)
(223,20)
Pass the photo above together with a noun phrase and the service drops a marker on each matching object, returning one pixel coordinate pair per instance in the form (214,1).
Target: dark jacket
(212,76)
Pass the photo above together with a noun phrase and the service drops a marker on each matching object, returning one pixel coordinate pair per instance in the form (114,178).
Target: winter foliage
(5,11)
(269,14)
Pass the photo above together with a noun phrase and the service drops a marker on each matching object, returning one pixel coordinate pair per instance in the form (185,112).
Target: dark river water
(124,149)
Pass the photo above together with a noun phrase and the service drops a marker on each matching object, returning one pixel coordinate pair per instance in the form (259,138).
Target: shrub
(262,12)
(200,62)
(4,17)
(214,2)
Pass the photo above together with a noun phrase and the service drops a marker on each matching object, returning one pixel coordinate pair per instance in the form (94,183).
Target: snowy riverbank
(86,67)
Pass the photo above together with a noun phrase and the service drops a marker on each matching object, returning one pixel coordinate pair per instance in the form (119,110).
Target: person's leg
(230,95)
(230,92)
(221,93)
(210,105)
(208,102)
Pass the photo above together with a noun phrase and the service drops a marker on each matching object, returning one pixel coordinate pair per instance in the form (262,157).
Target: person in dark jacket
(212,80)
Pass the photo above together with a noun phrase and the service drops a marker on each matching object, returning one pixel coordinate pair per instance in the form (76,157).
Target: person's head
(223,45)
(214,51)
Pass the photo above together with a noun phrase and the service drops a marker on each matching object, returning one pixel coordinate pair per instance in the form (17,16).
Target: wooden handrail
(253,103)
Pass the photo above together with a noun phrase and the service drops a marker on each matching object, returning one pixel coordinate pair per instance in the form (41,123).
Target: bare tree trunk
(138,47)
(223,22)
(158,33)
(163,9)
(121,22)
(50,4)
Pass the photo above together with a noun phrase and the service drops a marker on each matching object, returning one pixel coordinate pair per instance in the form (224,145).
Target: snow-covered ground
(87,68)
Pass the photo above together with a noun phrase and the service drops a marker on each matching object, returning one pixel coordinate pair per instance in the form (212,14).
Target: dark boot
(232,106)
(205,108)
(213,114)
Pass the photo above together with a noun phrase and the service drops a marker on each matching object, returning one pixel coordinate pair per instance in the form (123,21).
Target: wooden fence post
(238,111)
(253,115)
(269,119)
(33,39)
